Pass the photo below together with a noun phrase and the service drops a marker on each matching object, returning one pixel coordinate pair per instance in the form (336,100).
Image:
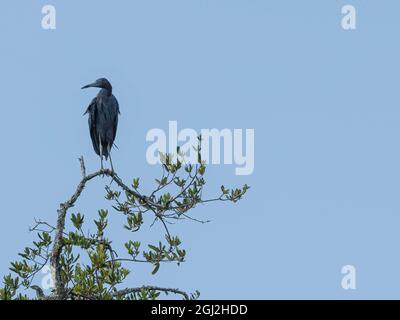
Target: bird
(103,112)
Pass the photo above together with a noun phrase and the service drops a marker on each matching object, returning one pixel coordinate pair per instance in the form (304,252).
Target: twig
(83,168)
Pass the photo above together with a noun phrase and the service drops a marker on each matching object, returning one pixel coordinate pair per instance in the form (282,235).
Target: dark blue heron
(103,119)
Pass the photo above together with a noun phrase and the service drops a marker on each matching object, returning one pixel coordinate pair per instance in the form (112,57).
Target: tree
(86,265)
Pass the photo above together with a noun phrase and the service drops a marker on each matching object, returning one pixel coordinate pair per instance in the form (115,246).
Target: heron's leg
(101,153)
(109,154)
(112,167)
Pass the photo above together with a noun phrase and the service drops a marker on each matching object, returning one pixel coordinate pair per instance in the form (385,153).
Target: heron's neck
(105,91)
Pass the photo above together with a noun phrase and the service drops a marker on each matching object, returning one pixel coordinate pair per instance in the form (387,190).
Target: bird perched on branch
(103,114)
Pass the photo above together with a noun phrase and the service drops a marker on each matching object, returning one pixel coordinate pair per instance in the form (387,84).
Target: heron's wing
(92,120)
(115,118)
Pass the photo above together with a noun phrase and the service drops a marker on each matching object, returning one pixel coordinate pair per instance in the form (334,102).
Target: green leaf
(154,248)
(157,266)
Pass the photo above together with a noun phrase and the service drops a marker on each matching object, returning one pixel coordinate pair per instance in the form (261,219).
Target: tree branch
(62,212)
(149,288)
(191,190)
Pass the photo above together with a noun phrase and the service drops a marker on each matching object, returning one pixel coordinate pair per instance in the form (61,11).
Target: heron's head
(102,83)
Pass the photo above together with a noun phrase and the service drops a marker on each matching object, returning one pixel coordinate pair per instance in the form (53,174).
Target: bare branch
(83,168)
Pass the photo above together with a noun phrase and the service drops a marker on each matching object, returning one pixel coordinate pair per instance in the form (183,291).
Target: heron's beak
(89,85)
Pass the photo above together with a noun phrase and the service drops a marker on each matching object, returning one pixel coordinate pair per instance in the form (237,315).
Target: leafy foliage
(89,265)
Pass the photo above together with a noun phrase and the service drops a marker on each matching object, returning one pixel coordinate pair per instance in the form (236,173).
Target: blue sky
(323,103)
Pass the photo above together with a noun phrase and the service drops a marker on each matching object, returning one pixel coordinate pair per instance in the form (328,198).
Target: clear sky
(324,104)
